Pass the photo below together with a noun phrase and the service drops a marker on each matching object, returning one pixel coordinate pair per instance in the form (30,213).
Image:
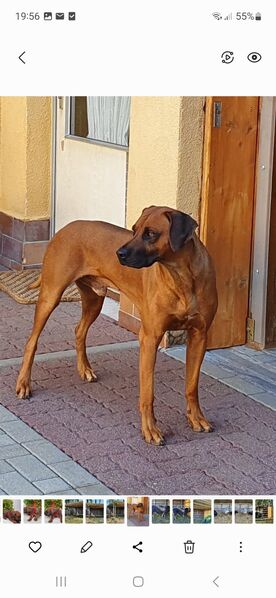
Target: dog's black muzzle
(135,258)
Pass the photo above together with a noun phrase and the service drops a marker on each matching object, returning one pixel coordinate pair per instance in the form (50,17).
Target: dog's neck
(180,263)
(181,279)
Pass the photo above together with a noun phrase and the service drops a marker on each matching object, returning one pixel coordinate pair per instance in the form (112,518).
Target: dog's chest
(182,307)
(177,312)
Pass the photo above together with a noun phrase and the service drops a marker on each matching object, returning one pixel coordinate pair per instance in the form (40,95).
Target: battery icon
(258,16)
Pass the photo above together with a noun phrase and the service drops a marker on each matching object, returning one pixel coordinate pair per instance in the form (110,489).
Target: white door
(91,159)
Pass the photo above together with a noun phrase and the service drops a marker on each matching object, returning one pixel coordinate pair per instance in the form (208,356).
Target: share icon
(136,547)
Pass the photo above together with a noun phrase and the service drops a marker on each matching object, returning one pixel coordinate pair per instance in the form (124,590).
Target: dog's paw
(153,435)
(23,390)
(198,423)
(88,375)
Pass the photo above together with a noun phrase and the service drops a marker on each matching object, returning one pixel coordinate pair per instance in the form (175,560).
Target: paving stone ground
(58,335)
(31,465)
(98,425)
(247,370)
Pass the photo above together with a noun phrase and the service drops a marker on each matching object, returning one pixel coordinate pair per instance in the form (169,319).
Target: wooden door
(227,209)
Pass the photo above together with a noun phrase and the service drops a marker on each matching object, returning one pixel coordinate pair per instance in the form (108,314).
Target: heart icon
(35,546)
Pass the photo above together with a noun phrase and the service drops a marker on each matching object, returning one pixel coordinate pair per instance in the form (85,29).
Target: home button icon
(138,581)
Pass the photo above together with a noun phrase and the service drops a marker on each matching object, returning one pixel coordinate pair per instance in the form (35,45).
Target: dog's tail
(35,284)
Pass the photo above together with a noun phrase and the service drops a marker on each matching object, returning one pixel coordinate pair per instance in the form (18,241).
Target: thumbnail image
(181,511)
(11,510)
(223,511)
(138,511)
(160,510)
(264,511)
(202,511)
(115,510)
(243,511)
(32,510)
(94,510)
(53,510)
(73,510)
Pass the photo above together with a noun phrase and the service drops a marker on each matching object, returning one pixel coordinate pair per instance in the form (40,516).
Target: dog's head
(17,516)
(157,233)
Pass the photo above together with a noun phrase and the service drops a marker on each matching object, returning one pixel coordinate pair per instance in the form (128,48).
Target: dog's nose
(122,253)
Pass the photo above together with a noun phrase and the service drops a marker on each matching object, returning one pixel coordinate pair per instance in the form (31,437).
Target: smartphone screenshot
(137,299)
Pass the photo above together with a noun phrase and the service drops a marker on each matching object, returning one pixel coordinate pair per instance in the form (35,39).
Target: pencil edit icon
(86,546)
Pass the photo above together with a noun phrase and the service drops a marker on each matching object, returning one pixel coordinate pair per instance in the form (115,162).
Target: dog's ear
(181,230)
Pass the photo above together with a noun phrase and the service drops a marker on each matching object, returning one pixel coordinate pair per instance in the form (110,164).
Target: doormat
(16,285)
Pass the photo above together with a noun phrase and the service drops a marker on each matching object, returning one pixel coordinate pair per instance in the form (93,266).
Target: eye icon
(254,57)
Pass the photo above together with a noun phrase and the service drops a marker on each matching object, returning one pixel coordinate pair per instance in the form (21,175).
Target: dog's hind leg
(47,301)
(91,307)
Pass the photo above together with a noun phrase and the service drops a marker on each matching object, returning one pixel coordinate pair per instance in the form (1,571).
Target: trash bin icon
(189,547)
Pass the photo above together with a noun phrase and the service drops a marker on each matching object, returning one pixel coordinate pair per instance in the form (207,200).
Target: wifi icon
(217,16)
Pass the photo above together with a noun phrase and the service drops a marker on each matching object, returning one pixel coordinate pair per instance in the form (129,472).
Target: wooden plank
(270,340)
(261,225)
(227,210)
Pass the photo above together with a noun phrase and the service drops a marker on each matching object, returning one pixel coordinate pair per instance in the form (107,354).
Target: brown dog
(54,513)
(33,512)
(177,291)
(138,510)
(12,516)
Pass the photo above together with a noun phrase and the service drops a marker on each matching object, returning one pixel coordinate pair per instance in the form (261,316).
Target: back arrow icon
(215,581)
(20,57)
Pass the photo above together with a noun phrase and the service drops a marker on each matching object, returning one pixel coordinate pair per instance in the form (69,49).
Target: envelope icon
(59,16)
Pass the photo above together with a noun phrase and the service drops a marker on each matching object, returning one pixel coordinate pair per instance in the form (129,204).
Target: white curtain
(108,118)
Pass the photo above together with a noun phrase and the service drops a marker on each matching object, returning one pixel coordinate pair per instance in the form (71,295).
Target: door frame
(261,227)
(54,163)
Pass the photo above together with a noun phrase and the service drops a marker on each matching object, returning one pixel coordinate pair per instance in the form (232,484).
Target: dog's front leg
(148,348)
(196,347)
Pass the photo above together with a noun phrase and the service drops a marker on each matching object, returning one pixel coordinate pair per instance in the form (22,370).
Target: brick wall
(22,243)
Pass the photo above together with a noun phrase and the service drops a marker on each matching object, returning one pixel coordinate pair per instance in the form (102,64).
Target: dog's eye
(150,235)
